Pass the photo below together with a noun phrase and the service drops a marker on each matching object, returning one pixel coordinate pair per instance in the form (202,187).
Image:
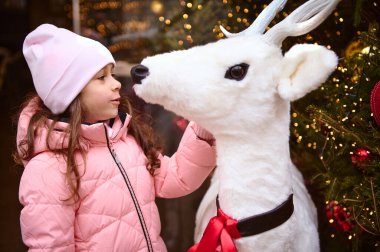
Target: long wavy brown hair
(139,127)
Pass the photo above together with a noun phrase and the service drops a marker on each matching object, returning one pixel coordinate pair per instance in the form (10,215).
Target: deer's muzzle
(138,73)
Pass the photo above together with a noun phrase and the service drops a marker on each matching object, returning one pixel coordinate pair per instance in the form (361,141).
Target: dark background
(15,22)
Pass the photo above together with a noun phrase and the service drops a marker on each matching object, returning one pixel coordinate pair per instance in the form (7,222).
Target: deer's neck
(254,170)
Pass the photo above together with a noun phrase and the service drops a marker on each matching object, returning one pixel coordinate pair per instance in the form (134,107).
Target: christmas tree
(337,140)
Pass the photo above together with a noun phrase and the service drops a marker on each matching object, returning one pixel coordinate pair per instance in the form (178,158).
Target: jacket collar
(95,134)
(91,135)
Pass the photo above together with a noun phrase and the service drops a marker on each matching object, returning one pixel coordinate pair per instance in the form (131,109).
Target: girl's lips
(116,101)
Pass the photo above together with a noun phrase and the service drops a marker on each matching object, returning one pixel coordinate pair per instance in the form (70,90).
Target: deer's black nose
(138,73)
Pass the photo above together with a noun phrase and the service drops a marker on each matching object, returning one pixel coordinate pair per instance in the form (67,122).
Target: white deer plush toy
(240,89)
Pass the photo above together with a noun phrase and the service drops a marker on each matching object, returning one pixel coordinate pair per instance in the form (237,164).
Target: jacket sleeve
(186,170)
(47,222)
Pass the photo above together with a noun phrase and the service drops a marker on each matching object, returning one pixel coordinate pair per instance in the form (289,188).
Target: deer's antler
(262,21)
(304,19)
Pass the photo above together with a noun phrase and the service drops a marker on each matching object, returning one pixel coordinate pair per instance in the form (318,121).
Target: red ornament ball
(180,122)
(375,103)
(360,155)
(360,159)
(338,217)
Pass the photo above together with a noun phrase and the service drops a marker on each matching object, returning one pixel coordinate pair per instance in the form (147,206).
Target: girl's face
(100,98)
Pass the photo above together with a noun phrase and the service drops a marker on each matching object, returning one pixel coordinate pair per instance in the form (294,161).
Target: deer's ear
(305,67)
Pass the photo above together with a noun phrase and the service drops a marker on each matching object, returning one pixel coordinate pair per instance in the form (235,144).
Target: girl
(92,170)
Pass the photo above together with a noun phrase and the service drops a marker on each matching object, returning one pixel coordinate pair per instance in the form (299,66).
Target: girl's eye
(101,77)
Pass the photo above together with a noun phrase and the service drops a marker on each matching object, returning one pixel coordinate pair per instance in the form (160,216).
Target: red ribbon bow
(220,231)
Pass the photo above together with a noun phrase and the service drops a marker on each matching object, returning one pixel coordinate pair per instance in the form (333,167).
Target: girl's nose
(138,73)
(116,85)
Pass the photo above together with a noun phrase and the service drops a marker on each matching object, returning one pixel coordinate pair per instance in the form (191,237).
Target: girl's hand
(203,134)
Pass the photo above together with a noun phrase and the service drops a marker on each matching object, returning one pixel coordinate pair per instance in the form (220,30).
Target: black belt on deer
(266,221)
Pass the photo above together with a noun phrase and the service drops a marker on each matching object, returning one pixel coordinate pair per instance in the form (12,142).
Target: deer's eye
(237,72)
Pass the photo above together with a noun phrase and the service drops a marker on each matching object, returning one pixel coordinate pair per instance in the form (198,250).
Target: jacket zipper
(132,193)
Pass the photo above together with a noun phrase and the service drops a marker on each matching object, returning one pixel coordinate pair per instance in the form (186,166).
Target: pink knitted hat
(62,63)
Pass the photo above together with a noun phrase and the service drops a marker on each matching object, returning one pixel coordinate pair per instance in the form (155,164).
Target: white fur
(299,59)
(250,122)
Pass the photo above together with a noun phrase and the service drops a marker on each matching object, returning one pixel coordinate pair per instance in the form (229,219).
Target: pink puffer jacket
(117,211)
